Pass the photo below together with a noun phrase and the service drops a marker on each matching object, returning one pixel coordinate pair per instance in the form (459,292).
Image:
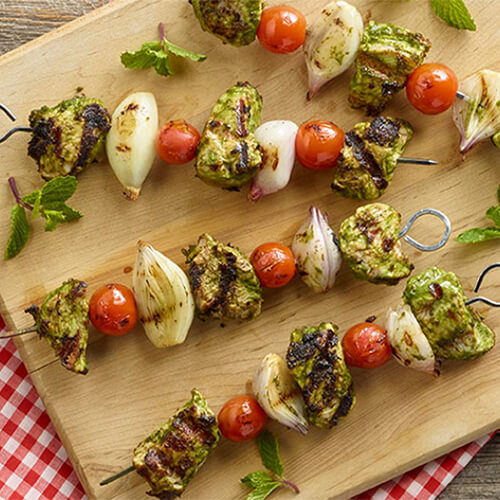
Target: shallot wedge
(316,250)
(409,344)
(277,139)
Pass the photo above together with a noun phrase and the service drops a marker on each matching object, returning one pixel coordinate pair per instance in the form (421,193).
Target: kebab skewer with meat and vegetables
(223,281)
(172,454)
(436,322)
(66,138)
(369,242)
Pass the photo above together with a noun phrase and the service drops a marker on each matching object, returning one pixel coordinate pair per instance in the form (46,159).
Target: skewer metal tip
(417,161)
(120,474)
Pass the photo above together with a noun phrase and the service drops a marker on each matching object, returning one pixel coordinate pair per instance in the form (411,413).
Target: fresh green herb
(454,13)
(156,55)
(477,234)
(264,483)
(48,202)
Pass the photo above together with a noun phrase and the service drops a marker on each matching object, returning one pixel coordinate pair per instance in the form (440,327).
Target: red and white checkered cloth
(34,464)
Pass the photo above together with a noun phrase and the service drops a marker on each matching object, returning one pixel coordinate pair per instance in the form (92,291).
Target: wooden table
(23,21)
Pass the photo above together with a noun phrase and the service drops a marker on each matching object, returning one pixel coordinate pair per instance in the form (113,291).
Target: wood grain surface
(168,227)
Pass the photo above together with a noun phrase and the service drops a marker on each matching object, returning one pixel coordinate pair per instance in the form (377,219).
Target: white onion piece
(130,143)
(278,393)
(163,296)
(477,117)
(331,43)
(277,139)
(409,344)
(316,251)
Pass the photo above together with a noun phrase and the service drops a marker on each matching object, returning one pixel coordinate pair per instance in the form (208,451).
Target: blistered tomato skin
(112,309)
(432,88)
(176,142)
(282,29)
(274,264)
(366,346)
(241,419)
(318,144)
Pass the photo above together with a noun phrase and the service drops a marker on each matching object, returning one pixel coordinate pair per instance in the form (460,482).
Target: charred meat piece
(223,281)
(386,57)
(68,137)
(229,154)
(369,242)
(63,320)
(369,157)
(453,329)
(171,456)
(233,21)
(316,360)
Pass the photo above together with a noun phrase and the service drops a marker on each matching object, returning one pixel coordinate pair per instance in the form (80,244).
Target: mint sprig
(48,202)
(454,13)
(156,55)
(478,234)
(264,483)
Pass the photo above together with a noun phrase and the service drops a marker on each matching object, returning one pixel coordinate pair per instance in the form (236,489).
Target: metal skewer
(14,130)
(417,161)
(415,243)
(118,475)
(24,331)
(480,279)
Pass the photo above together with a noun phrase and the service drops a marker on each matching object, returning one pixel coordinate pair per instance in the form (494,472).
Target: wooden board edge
(68,27)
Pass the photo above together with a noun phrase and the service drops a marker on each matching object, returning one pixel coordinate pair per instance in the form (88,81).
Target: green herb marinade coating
(454,330)
(316,360)
(63,320)
(369,157)
(228,155)
(386,57)
(171,456)
(233,21)
(223,281)
(68,137)
(369,242)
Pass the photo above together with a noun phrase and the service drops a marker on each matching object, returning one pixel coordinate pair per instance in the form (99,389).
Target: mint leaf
(156,55)
(262,491)
(494,214)
(31,198)
(477,234)
(54,218)
(454,13)
(19,232)
(268,449)
(180,52)
(256,479)
(59,189)
(498,193)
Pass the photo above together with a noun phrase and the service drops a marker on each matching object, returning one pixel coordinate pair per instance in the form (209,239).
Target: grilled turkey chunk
(63,320)
(171,456)
(316,360)
(223,281)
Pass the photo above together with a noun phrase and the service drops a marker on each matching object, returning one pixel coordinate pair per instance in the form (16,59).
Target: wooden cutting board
(402,418)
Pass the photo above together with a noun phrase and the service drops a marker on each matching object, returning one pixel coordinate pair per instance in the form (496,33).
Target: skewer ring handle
(415,243)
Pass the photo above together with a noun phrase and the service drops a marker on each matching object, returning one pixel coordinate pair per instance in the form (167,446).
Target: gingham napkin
(35,466)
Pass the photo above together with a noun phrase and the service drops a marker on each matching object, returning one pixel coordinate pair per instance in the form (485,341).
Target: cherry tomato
(241,418)
(177,142)
(318,144)
(432,88)
(366,346)
(274,264)
(282,29)
(112,309)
